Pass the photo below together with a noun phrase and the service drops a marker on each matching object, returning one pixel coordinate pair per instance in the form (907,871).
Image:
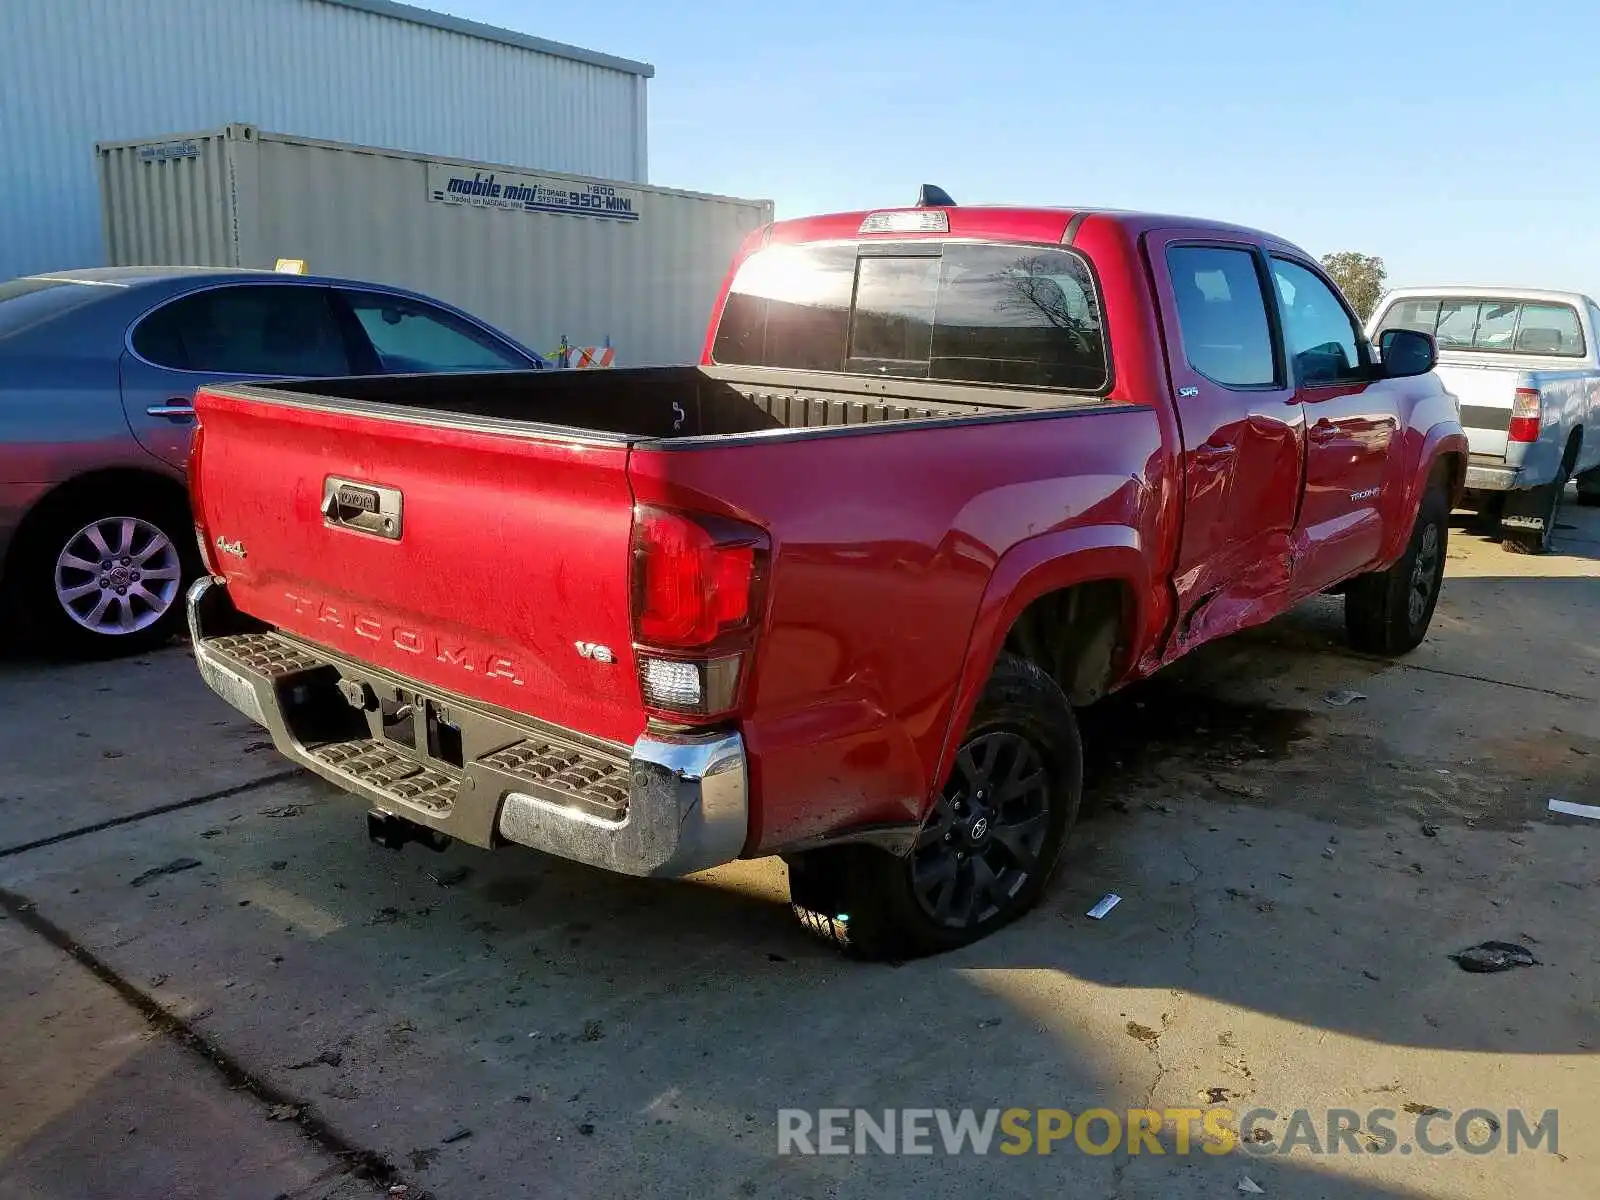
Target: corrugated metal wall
(177,211)
(76,72)
(249,197)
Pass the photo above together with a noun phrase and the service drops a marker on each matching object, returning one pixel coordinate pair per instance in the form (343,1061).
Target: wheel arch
(157,484)
(1077,634)
(1449,467)
(1073,602)
(1442,458)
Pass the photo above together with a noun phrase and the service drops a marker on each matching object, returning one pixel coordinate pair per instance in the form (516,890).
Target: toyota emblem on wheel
(979,828)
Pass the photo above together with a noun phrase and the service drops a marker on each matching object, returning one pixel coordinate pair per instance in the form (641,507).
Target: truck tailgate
(482,561)
(1486,393)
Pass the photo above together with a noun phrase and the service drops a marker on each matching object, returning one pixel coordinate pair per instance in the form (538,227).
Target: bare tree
(1031,289)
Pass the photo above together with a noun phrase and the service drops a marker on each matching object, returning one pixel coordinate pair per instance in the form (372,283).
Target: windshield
(1493,326)
(27,302)
(1021,316)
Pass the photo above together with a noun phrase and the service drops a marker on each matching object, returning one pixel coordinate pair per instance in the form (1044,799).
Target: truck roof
(1022,223)
(1477,290)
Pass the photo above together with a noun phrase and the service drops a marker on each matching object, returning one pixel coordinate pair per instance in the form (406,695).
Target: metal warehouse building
(78,72)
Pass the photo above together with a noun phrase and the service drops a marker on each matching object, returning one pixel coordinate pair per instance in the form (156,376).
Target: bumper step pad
(389,771)
(264,653)
(563,774)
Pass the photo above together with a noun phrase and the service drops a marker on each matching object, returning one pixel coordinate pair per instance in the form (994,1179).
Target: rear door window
(252,329)
(1222,315)
(1484,325)
(976,313)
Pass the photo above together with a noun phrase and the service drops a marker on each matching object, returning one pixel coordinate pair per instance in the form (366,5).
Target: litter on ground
(1340,697)
(1576,810)
(1107,902)
(1488,958)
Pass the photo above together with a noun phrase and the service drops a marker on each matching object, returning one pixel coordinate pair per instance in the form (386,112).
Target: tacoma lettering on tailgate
(413,641)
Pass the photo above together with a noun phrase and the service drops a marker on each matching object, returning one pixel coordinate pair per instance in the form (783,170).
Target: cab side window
(1222,314)
(1318,332)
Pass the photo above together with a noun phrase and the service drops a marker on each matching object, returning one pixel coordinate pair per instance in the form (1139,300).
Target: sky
(1458,141)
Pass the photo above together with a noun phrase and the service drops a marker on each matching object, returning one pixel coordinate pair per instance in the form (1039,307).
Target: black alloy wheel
(982,842)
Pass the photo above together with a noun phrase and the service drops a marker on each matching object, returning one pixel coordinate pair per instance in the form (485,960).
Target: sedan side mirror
(1407,352)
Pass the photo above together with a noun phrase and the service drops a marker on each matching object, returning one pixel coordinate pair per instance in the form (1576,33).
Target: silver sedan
(98,370)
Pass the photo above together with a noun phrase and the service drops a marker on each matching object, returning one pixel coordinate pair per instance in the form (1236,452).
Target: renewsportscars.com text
(1014,1131)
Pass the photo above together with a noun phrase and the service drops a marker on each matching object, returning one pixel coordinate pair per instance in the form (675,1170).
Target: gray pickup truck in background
(1525,366)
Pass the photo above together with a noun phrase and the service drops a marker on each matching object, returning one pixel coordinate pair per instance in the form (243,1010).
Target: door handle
(1324,431)
(172,412)
(1213,452)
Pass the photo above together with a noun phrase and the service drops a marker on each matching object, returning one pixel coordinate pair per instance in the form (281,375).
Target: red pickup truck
(943,474)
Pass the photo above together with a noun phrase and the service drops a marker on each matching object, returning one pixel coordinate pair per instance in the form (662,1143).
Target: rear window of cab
(1020,316)
(1486,325)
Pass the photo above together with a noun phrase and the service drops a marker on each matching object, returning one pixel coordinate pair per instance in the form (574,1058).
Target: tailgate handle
(367,508)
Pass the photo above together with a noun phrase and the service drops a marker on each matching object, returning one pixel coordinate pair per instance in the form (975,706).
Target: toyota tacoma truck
(1525,366)
(942,475)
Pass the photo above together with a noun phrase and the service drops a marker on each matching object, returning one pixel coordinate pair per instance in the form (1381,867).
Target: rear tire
(986,849)
(1388,612)
(102,574)
(1484,506)
(1589,488)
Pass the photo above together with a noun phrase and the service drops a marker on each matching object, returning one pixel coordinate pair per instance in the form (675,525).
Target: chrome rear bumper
(1492,477)
(665,806)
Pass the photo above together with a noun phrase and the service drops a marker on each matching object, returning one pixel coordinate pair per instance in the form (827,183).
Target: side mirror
(1407,352)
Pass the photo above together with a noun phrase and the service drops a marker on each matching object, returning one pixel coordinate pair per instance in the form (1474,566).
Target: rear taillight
(1524,425)
(196,503)
(698,583)
(692,585)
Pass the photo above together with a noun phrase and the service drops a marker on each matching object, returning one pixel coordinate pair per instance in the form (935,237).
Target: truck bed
(663,403)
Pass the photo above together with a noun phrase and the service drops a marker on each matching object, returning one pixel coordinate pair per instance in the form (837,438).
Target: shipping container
(542,255)
(376,72)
